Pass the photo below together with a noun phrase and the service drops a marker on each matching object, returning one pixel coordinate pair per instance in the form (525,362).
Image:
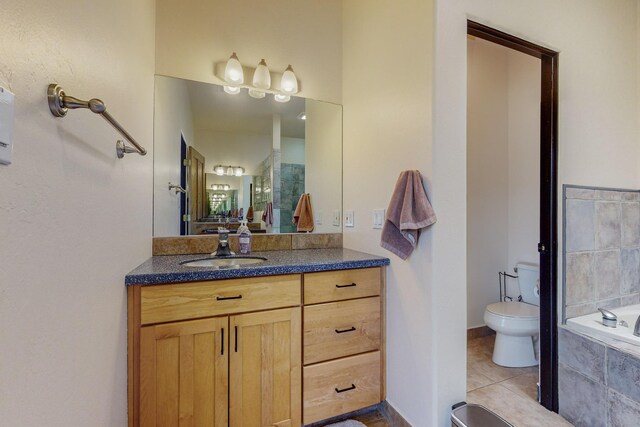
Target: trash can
(471,415)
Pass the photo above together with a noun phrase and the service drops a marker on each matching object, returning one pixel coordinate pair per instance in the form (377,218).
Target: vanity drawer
(339,285)
(341,386)
(167,303)
(341,329)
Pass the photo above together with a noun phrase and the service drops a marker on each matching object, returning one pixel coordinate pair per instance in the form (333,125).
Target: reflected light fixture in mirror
(281,98)
(223,187)
(228,170)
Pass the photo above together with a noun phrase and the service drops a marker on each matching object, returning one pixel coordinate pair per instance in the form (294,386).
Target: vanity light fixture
(219,170)
(289,83)
(238,171)
(232,73)
(261,80)
(230,171)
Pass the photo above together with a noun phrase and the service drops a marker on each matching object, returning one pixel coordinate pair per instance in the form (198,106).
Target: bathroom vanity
(291,341)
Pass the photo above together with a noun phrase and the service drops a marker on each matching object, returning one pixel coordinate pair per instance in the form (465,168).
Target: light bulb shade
(289,83)
(233,71)
(233,90)
(230,171)
(262,77)
(281,98)
(219,170)
(256,94)
(226,187)
(239,171)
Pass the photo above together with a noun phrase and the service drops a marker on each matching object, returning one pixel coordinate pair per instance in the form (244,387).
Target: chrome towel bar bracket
(60,103)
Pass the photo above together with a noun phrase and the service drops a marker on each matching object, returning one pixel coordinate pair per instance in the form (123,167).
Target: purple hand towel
(409,210)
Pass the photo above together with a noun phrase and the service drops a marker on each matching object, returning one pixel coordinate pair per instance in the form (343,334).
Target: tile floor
(509,392)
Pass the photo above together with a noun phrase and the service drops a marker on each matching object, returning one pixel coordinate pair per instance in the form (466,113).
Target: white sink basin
(224,262)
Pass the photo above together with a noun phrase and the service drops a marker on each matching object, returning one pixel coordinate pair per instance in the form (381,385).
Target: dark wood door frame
(548,246)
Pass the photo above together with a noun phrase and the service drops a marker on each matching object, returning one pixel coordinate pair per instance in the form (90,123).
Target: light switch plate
(7,112)
(378,218)
(348,218)
(319,218)
(336,218)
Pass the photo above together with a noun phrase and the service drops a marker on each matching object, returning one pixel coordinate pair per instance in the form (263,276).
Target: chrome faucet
(609,319)
(636,330)
(223,243)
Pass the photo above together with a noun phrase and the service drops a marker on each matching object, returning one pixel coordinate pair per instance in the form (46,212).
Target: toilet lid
(514,309)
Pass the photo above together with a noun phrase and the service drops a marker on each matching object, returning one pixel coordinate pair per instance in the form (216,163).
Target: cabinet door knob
(346,286)
(342,331)
(353,387)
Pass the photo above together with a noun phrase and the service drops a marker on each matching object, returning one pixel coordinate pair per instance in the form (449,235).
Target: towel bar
(60,103)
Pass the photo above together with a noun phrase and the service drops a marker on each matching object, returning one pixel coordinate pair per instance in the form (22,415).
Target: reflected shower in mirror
(238,157)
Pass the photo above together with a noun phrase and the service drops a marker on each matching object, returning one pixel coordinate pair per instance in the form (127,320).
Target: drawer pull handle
(226,298)
(353,387)
(342,331)
(346,286)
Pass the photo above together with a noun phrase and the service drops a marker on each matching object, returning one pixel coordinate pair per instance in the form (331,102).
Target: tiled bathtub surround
(602,249)
(599,385)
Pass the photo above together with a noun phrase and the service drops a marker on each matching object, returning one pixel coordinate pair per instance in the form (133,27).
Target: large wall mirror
(220,159)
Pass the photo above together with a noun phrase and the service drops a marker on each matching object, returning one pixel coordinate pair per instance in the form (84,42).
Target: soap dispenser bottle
(244,238)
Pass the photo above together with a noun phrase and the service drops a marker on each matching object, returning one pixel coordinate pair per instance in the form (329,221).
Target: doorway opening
(517,170)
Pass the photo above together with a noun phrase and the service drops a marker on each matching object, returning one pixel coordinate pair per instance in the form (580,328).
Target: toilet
(517,323)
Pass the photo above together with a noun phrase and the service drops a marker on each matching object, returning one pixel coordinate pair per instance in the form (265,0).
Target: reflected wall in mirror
(239,157)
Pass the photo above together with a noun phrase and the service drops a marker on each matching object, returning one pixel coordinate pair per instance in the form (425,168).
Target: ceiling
(213,109)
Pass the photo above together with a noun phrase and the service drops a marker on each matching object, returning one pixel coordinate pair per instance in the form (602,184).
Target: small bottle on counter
(244,238)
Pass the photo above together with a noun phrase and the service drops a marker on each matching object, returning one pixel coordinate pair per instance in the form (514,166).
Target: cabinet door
(265,388)
(184,374)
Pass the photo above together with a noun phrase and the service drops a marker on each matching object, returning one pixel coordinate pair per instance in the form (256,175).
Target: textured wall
(598,383)
(73,218)
(602,249)
(193,35)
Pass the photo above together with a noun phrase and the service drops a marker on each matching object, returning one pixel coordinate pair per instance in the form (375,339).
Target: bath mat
(347,423)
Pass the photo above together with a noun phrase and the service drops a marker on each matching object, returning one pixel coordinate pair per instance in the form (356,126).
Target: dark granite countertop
(167,268)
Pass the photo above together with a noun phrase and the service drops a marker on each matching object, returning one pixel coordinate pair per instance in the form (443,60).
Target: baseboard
(392,415)
(480,331)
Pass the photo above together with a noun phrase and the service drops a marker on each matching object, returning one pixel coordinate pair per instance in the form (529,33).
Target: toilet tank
(528,281)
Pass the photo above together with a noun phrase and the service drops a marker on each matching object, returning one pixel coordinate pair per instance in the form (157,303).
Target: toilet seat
(515,309)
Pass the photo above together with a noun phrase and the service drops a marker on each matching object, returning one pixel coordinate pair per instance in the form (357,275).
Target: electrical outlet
(349,218)
(336,218)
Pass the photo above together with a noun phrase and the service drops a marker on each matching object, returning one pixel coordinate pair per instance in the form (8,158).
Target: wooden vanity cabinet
(229,370)
(343,336)
(275,351)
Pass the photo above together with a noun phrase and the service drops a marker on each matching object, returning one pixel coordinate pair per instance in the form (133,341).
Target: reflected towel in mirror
(303,215)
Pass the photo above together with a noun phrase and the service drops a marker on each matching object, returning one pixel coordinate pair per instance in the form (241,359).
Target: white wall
(387,129)
(74,219)
(233,148)
(487,175)
(524,78)
(503,162)
(193,35)
(597,133)
(172,118)
(323,163)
